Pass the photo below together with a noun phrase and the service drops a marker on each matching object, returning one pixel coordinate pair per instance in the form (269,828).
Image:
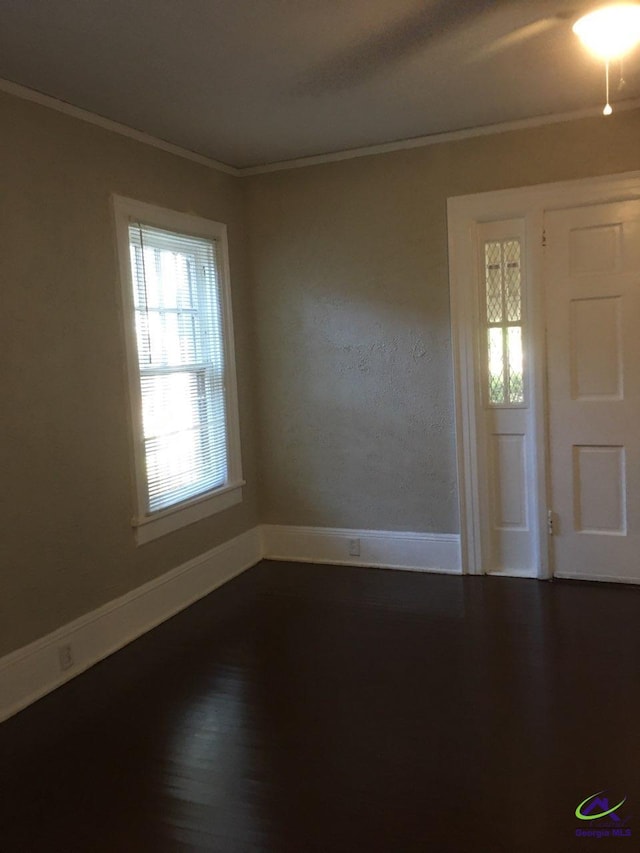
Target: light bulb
(610,32)
(608,109)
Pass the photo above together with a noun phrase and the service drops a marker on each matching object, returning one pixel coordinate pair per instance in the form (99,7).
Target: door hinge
(550,522)
(544,238)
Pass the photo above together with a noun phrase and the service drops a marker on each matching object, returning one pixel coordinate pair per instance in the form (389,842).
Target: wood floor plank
(328,709)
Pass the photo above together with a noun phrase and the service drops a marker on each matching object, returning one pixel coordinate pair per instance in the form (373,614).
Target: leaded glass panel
(512,280)
(515,364)
(493,277)
(503,295)
(496,367)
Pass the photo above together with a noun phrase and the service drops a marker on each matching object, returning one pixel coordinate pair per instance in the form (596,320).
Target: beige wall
(352,301)
(347,323)
(65,483)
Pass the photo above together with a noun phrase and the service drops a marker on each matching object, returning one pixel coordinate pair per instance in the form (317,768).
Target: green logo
(587,813)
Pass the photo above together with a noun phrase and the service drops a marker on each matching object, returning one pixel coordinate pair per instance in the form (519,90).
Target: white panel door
(593,365)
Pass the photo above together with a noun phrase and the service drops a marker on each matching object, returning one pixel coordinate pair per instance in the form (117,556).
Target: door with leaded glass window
(503,400)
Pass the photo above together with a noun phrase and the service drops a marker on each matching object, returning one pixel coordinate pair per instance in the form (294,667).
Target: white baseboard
(585,576)
(513,573)
(418,552)
(34,670)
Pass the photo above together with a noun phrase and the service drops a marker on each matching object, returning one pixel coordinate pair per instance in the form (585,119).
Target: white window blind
(179,334)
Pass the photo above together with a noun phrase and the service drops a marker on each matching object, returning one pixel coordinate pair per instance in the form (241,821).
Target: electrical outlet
(354,547)
(66,657)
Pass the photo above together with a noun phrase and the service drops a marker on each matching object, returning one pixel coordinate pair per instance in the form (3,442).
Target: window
(503,300)
(179,336)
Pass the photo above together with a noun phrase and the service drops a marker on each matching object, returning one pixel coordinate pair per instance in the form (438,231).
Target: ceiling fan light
(610,32)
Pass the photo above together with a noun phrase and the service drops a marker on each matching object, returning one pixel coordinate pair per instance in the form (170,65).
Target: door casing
(464,214)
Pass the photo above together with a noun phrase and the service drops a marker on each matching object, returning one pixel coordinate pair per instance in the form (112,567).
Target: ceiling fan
(434,22)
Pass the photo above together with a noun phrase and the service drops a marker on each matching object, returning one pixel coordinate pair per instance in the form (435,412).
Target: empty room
(319,443)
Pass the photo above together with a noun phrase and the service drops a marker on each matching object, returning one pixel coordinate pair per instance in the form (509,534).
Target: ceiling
(251,82)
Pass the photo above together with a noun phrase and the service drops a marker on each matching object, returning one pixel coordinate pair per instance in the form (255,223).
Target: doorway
(545,303)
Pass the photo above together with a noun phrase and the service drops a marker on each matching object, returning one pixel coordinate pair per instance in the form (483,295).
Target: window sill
(168,520)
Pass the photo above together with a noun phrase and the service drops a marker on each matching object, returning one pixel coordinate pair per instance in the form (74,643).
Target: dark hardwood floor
(319,708)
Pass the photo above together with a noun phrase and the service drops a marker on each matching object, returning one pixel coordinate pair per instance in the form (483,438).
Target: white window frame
(509,235)
(149,526)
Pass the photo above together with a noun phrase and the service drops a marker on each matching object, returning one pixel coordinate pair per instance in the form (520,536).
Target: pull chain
(608,109)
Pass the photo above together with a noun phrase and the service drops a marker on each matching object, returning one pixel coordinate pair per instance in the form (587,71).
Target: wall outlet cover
(65,656)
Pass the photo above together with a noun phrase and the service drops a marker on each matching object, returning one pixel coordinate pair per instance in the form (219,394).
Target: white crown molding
(34,670)
(434,139)
(388,549)
(28,94)
(36,97)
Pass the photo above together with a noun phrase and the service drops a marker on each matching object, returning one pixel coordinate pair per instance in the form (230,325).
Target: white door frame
(465,213)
